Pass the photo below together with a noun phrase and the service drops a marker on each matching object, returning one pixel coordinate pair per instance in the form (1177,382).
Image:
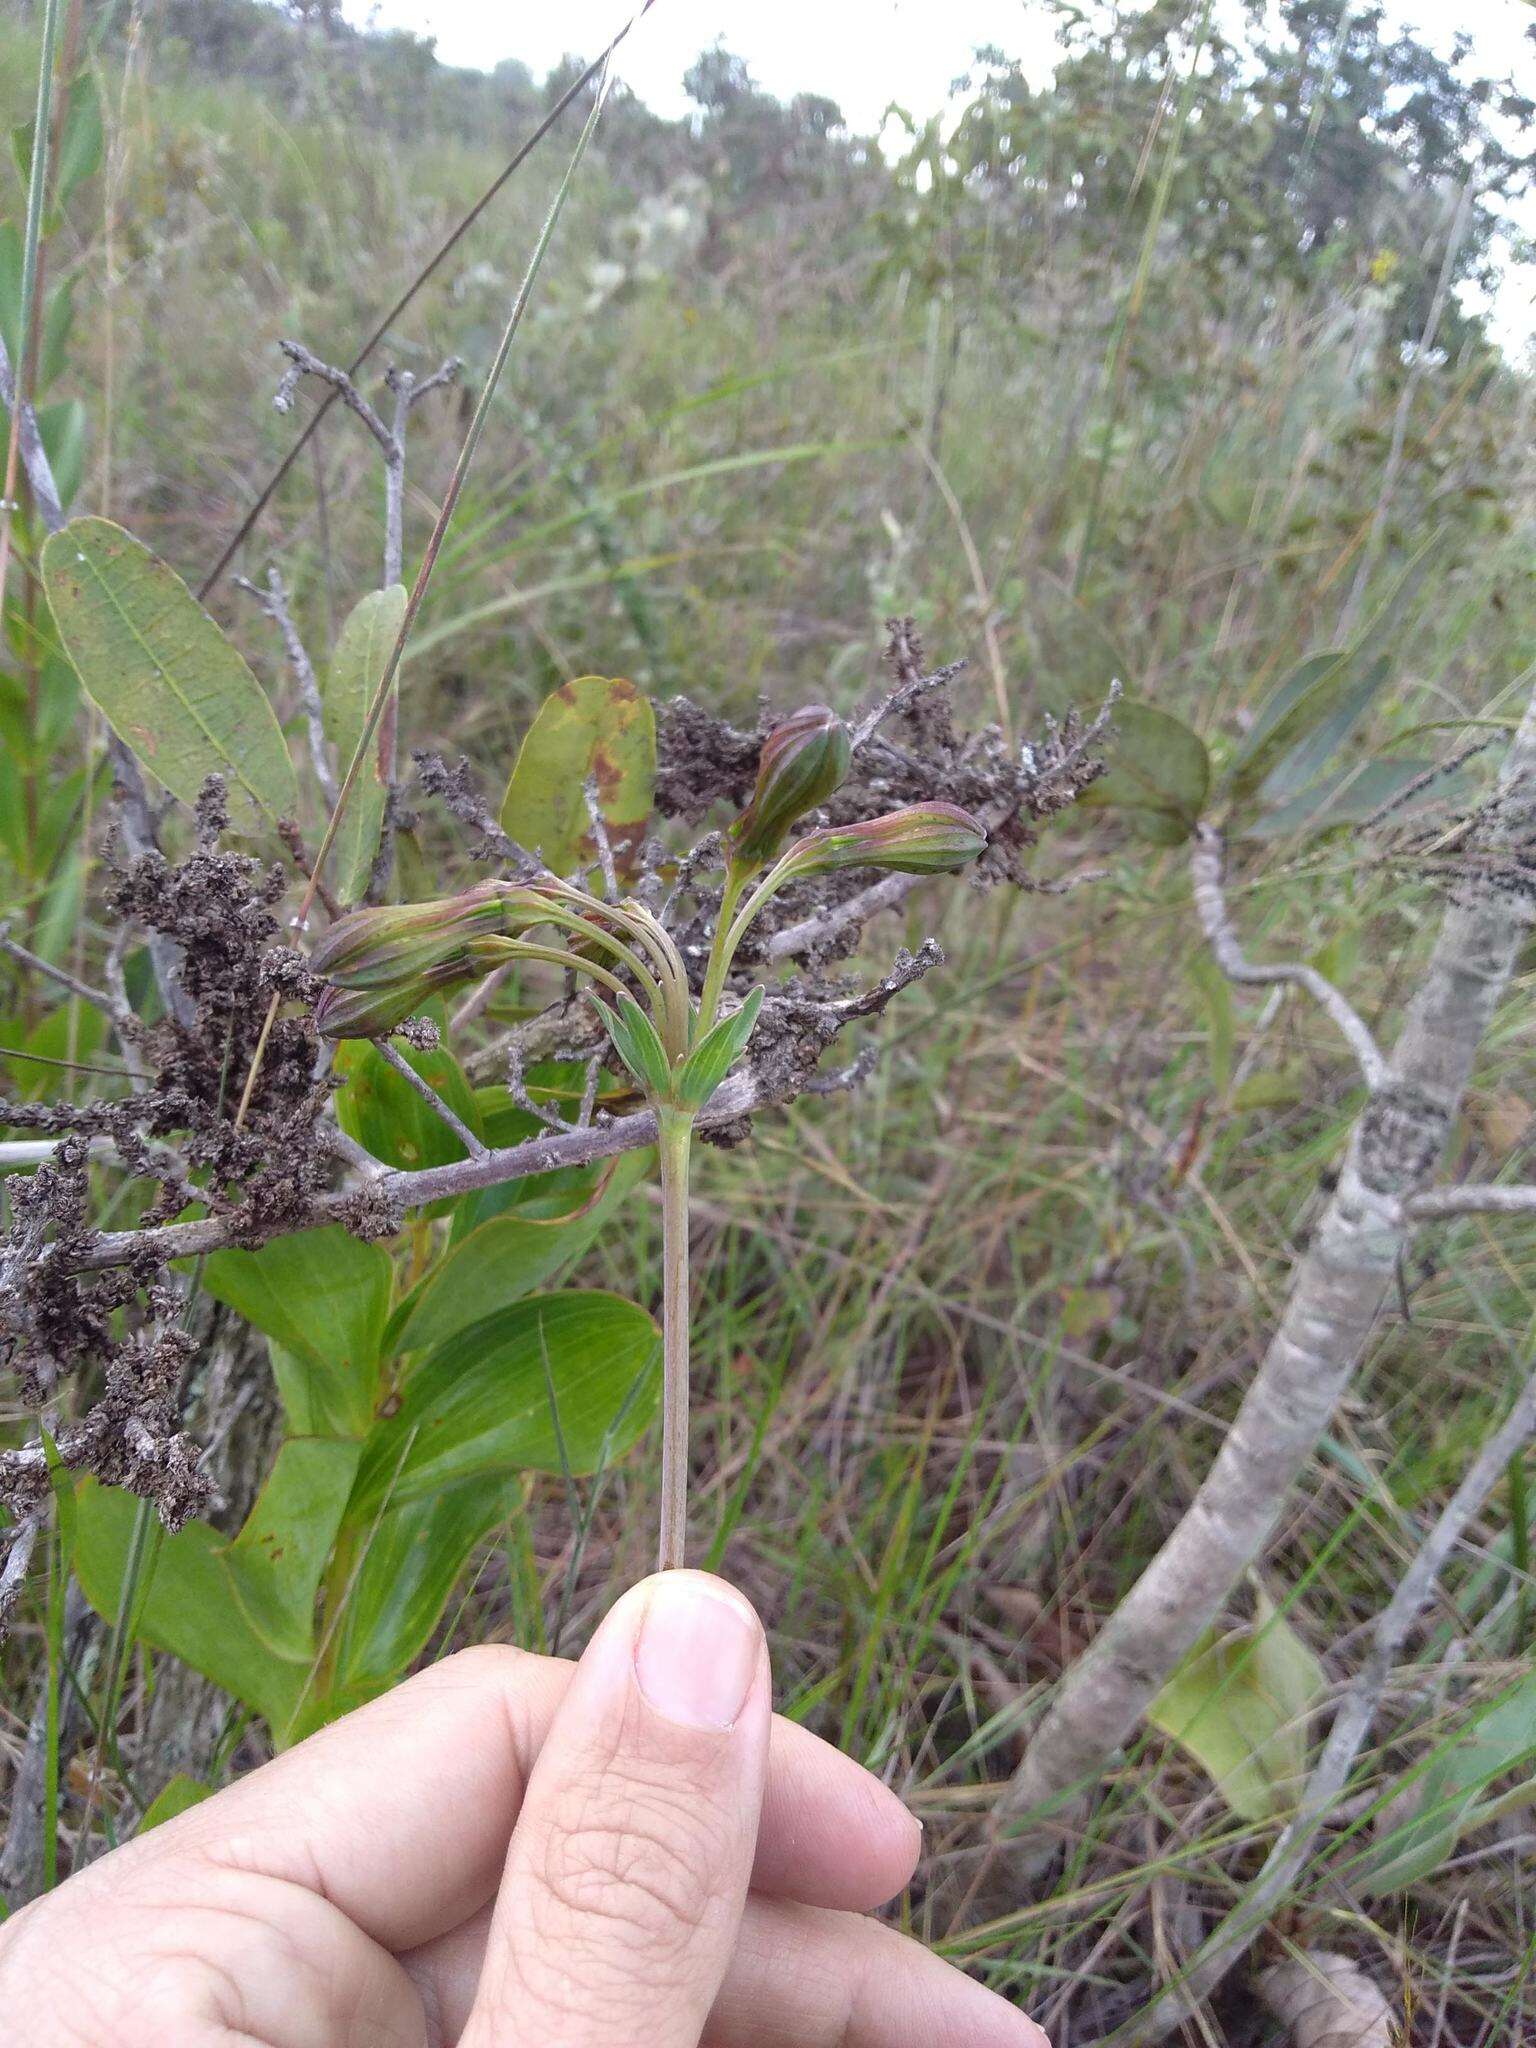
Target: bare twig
(1247,1920)
(1205,866)
(274,602)
(1514,1199)
(600,838)
(898,700)
(14,1571)
(474,1146)
(439,256)
(97,998)
(303,362)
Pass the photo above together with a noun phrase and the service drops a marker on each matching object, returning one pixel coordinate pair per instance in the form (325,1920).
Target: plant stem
(675,1131)
(723,946)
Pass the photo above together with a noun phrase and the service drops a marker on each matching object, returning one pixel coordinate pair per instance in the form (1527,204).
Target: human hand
(360,1891)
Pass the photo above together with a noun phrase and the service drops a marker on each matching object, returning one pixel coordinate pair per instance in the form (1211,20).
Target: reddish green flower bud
(803,761)
(924,839)
(383,963)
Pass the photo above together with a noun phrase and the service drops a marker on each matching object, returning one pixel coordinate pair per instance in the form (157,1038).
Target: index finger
(401,1813)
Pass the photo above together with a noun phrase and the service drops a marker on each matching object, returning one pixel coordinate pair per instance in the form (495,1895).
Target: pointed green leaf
(1351,795)
(596,726)
(409,1559)
(322,1296)
(507,1257)
(168,682)
(180,1795)
(1297,702)
(635,1042)
(1450,1793)
(479,1407)
(362,653)
(1305,762)
(715,1055)
(240,1612)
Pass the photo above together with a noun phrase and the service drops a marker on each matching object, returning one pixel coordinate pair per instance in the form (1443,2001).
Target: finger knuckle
(634,1862)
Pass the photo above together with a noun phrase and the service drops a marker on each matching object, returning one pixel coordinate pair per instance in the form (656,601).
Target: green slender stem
(675,1130)
(672,1017)
(524,949)
(727,938)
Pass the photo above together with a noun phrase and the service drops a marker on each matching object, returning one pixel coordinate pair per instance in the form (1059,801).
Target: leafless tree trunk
(1332,1310)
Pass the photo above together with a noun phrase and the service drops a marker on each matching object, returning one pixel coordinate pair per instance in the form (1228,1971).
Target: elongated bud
(924,839)
(383,963)
(803,761)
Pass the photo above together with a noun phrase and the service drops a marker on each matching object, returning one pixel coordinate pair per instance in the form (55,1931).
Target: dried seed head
(802,762)
(924,839)
(382,964)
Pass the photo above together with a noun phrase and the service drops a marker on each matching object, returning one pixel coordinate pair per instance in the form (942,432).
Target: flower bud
(801,764)
(383,963)
(924,839)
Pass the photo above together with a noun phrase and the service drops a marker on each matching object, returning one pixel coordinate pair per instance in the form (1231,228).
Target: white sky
(866,53)
(862,53)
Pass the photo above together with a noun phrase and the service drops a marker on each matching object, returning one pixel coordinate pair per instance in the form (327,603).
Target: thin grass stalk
(1120,348)
(451,497)
(32,235)
(440,255)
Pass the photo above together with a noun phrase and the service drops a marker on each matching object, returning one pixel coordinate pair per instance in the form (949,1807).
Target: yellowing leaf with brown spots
(598,726)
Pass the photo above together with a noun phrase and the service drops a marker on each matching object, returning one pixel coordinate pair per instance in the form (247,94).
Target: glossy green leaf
(168,682)
(715,1054)
(596,726)
(322,1296)
(381,1109)
(1450,1795)
(242,1611)
(409,1560)
(479,1407)
(1242,1706)
(507,1257)
(1159,774)
(180,1795)
(362,652)
(636,1043)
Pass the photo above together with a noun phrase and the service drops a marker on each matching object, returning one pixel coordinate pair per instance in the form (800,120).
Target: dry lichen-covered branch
(1329,1318)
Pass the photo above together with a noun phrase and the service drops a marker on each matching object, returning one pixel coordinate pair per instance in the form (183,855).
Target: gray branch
(1335,1299)
(274,602)
(1513,1199)
(1352,1724)
(433,1100)
(1205,867)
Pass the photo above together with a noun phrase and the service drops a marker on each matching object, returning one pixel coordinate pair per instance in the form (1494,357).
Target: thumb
(628,1870)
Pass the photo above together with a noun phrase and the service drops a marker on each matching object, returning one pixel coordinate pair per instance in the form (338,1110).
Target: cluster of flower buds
(802,762)
(382,964)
